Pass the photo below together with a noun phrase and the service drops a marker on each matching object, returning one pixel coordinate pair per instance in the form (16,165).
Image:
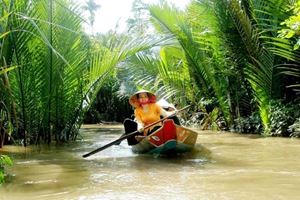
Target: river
(224,166)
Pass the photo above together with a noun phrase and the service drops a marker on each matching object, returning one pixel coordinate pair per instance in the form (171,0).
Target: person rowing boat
(146,111)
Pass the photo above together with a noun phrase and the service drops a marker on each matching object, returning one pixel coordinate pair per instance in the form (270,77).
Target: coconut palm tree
(91,6)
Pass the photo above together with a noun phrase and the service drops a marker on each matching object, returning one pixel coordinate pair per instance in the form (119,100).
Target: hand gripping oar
(130,134)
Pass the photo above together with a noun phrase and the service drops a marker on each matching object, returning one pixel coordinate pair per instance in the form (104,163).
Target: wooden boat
(168,139)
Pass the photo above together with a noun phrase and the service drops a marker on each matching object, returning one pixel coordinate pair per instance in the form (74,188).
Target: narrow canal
(224,166)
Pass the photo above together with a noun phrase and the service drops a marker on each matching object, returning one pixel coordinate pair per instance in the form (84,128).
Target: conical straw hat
(133,100)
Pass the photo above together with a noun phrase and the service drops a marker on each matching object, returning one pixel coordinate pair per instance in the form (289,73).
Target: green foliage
(282,116)
(251,124)
(108,105)
(200,47)
(256,25)
(287,46)
(259,65)
(221,50)
(4,161)
(292,24)
(48,49)
(6,127)
(228,49)
(60,70)
(5,70)
(295,128)
(205,115)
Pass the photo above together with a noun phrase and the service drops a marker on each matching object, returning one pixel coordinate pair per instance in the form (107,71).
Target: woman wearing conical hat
(146,112)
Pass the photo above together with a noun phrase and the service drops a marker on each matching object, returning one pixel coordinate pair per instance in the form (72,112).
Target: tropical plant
(51,57)
(60,69)
(295,128)
(230,43)
(292,25)
(199,45)
(218,51)
(4,161)
(91,6)
(282,117)
(287,46)
(108,106)
(259,64)
(5,124)
(166,77)
(257,23)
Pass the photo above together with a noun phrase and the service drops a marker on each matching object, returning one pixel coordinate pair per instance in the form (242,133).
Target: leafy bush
(108,105)
(282,116)
(251,124)
(207,116)
(295,128)
(4,161)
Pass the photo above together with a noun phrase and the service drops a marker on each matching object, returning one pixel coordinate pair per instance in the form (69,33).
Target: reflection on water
(222,166)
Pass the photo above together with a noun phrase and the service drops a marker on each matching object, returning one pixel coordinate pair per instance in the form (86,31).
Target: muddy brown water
(224,166)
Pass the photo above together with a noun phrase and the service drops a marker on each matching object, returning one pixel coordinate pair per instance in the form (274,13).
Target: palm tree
(60,69)
(255,31)
(203,59)
(91,7)
(230,43)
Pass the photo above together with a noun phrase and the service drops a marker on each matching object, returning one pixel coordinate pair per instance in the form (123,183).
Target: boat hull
(168,139)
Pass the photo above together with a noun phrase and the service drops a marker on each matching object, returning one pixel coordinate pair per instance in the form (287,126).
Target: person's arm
(140,124)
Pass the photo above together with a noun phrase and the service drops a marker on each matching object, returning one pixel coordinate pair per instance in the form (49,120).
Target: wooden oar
(130,134)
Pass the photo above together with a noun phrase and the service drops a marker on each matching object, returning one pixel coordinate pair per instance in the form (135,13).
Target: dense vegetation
(4,161)
(236,62)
